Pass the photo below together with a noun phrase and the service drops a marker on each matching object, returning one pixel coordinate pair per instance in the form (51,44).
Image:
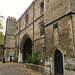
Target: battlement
(11,19)
(11,25)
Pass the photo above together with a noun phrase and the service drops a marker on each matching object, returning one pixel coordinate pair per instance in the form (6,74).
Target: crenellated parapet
(11,18)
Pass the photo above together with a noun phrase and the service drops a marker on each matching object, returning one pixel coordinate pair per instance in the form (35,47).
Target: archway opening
(27,49)
(58,59)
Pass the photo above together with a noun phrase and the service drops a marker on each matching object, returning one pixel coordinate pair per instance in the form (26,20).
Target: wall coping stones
(35,67)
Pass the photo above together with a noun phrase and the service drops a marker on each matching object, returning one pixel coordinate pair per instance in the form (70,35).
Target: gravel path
(16,69)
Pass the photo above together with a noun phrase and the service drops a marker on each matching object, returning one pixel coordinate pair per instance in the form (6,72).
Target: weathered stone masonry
(9,38)
(58,37)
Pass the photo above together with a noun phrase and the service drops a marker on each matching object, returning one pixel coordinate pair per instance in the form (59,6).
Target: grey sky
(14,8)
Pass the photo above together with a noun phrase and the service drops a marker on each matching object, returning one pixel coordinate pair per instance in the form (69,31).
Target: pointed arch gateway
(58,63)
(26,47)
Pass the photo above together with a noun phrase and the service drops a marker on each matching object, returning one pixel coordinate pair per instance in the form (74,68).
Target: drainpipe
(33,30)
(19,43)
(44,54)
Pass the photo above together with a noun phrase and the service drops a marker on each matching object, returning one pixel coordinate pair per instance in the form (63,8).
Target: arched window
(42,8)
(58,61)
(26,19)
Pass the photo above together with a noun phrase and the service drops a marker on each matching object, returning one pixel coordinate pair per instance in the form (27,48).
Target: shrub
(28,59)
(35,59)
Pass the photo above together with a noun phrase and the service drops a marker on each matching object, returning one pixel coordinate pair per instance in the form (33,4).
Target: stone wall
(64,36)
(61,37)
(55,9)
(36,67)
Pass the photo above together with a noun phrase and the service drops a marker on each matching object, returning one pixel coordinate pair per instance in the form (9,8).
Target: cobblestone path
(16,69)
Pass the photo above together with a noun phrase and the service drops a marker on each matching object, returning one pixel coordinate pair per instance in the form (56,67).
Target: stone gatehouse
(47,26)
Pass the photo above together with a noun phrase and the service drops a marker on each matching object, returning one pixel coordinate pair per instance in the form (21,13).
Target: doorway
(58,59)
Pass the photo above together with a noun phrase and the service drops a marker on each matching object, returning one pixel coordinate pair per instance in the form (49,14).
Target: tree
(1,28)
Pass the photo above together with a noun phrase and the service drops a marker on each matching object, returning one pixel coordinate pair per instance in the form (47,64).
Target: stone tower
(10,39)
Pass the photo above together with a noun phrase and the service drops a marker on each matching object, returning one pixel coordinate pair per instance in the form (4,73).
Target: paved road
(16,69)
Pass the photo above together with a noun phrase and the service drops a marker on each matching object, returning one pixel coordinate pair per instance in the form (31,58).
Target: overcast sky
(14,8)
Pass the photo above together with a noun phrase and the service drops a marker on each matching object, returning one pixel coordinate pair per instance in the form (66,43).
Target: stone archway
(27,48)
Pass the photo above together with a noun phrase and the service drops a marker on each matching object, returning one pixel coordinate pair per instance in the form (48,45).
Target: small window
(41,29)
(55,26)
(42,8)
